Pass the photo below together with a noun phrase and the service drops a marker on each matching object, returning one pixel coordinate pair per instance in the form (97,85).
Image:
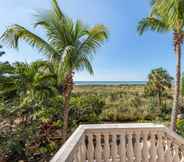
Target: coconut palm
(69,44)
(168,16)
(159,83)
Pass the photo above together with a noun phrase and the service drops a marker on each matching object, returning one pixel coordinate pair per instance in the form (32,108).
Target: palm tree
(69,44)
(159,82)
(168,16)
(28,81)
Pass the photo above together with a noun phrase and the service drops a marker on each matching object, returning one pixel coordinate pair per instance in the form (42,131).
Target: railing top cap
(122,126)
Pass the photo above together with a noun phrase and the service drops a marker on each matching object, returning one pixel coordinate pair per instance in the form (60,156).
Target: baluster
(160,148)
(168,156)
(176,154)
(182,156)
(98,151)
(153,150)
(80,153)
(145,149)
(77,155)
(90,148)
(72,158)
(130,152)
(83,150)
(114,147)
(75,158)
(138,154)
(106,148)
(122,147)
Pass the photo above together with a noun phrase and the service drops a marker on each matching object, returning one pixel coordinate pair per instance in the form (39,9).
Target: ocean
(110,82)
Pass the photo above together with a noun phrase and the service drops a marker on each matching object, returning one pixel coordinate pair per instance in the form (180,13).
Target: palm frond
(96,36)
(42,18)
(80,30)
(57,31)
(6,68)
(151,23)
(57,9)
(170,12)
(99,32)
(16,32)
(85,63)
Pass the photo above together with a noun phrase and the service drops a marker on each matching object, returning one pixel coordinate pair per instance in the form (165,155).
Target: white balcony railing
(122,143)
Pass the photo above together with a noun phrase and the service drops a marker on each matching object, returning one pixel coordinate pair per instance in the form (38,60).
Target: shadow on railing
(144,142)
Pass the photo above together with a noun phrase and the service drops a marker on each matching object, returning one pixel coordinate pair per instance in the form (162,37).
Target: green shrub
(85,109)
(127,109)
(180,127)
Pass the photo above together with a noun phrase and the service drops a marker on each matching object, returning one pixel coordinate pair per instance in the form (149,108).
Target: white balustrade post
(153,150)
(83,149)
(77,155)
(114,147)
(160,148)
(106,147)
(182,156)
(98,151)
(145,149)
(90,148)
(138,154)
(122,147)
(168,155)
(176,154)
(130,152)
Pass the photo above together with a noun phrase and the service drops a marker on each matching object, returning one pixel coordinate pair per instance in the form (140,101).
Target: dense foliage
(31,109)
(129,103)
(31,115)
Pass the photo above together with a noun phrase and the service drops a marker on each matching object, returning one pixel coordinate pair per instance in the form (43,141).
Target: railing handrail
(122,126)
(69,147)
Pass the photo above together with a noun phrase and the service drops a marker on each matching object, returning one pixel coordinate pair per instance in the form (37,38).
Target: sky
(125,56)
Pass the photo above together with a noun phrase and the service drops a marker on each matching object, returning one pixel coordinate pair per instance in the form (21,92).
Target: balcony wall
(122,143)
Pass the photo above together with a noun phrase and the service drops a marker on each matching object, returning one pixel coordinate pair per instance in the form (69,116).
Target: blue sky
(125,56)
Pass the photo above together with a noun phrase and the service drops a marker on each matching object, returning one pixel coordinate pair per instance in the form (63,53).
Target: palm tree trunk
(68,87)
(177,84)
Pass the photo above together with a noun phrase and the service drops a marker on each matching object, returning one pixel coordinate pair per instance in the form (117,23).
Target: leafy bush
(180,127)
(85,109)
(34,131)
(124,110)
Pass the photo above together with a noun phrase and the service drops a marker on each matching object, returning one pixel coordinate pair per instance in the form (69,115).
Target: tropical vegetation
(31,119)
(158,85)
(40,106)
(69,47)
(168,16)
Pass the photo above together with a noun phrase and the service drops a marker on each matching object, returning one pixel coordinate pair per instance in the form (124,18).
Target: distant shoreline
(109,83)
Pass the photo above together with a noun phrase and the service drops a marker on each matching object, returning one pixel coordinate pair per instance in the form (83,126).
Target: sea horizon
(110,82)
